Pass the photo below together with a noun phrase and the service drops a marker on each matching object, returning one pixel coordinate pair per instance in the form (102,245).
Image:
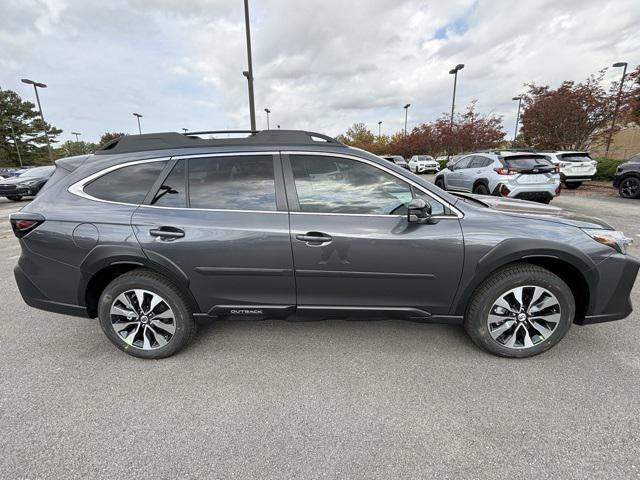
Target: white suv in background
(423,163)
(575,167)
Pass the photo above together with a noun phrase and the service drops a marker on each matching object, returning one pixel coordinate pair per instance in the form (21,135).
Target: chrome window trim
(457,213)
(78,187)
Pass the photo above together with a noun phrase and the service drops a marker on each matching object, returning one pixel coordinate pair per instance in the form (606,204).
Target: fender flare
(520,249)
(104,256)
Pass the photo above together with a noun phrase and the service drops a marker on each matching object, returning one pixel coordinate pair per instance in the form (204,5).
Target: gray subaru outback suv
(156,231)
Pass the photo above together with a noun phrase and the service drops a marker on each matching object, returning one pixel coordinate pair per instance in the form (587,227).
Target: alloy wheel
(142,319)
(630,187)
(524,317)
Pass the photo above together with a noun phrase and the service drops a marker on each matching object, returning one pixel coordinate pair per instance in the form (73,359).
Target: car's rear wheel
(629,187)
(145,315)
(572,185)
(15,198)
(481,189)
(440,183)
(520,311)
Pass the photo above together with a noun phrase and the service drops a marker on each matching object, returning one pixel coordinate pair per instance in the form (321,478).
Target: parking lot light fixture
(615,112)
(268,112)
(519,99)
(406,110)
(454,71)
(379,127)
(138,116)
(37,85)
(77,134)
(185,130)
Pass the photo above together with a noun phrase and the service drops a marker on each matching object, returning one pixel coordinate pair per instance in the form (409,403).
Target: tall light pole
(249,72)
(379,127)
(519,99)
(185,130)
(268,112)
(615,112)
(454,71)
(406,110)
(138,116)
(76,134)
(44,124)
(15,140)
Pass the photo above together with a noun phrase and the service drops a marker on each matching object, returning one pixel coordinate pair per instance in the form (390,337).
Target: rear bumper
(577,177)
(526,192)
(612,297)
(36,299)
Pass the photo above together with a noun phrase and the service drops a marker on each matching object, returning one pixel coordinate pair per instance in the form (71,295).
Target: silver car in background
(575,167)
(523,175)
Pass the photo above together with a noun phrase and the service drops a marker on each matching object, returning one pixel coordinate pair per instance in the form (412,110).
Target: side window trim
(292,196)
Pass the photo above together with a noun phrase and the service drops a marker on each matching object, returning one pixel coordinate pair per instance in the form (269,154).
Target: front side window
(463,163)
(337,185)
(127,184)
(232,183)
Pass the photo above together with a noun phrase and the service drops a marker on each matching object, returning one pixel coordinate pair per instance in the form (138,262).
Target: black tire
(157,284)
(501,282)
(629,187)
(440,183)
(481,189)
(572,185)
(15,198)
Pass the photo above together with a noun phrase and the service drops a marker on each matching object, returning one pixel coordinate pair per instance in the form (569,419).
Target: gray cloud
(320,65)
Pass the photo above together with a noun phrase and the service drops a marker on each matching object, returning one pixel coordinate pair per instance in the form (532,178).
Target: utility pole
(615,112)
(249,72)
(519,99)
(379,127)
(406,110)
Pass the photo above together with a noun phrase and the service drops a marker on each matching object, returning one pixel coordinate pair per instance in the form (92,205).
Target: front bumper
(610,299)
(427,168)
(12,192)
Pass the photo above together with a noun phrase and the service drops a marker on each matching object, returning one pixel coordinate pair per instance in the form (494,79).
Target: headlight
(612,238)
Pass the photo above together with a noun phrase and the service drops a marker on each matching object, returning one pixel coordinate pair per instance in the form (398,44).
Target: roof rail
(171,140)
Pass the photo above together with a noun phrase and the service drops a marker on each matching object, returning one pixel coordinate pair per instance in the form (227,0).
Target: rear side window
(232,183)
(172,192)
(127,184)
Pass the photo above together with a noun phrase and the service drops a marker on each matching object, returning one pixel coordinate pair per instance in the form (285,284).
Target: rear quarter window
(127,184)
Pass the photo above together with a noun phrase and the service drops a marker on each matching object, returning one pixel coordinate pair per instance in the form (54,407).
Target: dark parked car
(627,178)
(27,184)
(154,231)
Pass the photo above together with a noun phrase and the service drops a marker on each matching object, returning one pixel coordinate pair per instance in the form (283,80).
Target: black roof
(170,140)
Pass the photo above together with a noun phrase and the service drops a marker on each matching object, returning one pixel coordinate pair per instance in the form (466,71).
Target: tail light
(558,189)
(556,168)
(505,171)
(504,190)
(23,223)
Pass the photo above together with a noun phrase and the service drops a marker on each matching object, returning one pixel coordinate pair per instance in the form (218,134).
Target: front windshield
(38,172)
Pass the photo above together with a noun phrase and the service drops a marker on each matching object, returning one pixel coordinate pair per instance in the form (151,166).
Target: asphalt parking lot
(332,399)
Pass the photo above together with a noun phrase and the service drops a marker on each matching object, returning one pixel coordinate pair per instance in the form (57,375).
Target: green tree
(28,129)
(71,148)
(108,136)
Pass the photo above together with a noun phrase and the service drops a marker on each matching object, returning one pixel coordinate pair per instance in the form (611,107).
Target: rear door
(222,220)
(353,246)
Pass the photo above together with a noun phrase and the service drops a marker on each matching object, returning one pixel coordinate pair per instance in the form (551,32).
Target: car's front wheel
(145,315)
(520,311)
(440,183)
(630,187)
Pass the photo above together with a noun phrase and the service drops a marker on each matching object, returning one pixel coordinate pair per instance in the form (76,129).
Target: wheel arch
(481,181)
(105,263)
(571,265)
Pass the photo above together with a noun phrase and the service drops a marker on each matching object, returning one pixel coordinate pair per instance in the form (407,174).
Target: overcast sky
(318,65)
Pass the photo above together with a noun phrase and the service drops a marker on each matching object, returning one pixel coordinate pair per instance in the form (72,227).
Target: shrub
(607,168)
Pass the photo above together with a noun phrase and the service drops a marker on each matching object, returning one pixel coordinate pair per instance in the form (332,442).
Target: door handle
(167,233)
(314,237)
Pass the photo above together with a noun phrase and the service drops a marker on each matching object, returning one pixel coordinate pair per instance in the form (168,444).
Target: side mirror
(419,211)
(450,167)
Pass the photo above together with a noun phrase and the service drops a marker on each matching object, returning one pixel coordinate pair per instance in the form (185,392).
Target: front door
(353,247)
(222,220)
